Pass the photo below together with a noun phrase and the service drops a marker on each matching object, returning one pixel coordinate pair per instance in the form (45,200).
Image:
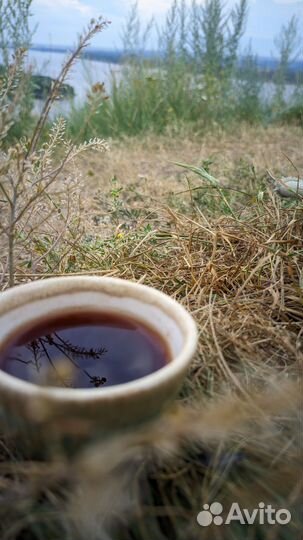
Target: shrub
(31,177)
(15,36)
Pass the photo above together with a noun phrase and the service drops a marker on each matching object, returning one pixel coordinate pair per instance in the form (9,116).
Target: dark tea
(85,350)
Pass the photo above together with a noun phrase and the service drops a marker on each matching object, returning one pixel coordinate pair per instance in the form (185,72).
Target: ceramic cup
(110,407)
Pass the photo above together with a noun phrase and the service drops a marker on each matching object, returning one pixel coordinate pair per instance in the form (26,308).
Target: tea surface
(85,350)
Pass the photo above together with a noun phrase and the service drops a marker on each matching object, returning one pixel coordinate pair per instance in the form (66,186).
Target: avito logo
(263,514)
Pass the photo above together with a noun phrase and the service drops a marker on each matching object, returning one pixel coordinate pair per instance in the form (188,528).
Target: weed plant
(199,77)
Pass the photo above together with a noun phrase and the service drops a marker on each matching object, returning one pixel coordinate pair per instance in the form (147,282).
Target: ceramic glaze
(109,407)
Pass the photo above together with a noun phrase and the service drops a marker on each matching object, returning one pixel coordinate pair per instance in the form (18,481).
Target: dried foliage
(235,433)
(39,190)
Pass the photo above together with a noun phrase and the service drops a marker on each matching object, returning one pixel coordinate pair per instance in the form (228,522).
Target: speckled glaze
(110,407)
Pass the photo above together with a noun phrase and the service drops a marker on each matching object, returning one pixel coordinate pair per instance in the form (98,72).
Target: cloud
(75,5)
(147,8)
(289,2)
(155,7)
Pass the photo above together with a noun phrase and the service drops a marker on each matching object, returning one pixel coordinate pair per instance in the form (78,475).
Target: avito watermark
(263,514)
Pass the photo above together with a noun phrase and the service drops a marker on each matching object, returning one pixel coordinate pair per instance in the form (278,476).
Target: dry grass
(235,433)
(146,162)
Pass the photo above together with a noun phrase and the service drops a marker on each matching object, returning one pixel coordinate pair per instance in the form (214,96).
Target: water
(85,73)
(82,76)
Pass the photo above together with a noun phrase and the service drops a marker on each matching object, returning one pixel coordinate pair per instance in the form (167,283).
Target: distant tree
(15,32)
(221,34)
(289,46)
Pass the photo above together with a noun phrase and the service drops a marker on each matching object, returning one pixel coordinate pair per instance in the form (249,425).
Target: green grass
(198,81)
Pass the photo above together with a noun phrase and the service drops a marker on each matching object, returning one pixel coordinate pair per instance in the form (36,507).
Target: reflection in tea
(85,350)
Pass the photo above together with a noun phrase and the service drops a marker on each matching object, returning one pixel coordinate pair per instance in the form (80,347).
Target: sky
(60,21)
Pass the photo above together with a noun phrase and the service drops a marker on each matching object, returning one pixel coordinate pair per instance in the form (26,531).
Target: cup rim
(55,286)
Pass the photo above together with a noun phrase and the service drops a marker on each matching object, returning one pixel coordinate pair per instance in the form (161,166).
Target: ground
(144,167)
(147,162)
(233,257)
